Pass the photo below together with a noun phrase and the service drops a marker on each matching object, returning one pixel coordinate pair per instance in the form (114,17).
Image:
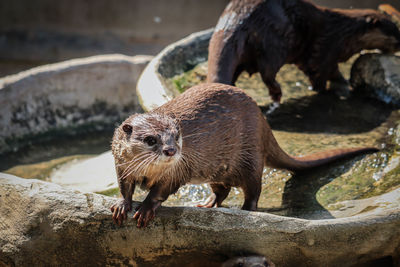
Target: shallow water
(39,160)
(306,122)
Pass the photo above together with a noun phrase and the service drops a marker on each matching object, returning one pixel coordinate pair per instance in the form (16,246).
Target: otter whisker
(131,168)
(136,160)
(143,166)
(133,159)
(134,169)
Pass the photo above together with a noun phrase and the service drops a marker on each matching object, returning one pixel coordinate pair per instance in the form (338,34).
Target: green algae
(307,122)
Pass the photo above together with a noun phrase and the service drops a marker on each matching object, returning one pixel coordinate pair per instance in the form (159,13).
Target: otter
(212,133)
(262,36)
(248,261)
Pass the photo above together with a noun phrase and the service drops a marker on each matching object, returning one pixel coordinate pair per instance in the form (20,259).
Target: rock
(43,224)
(378,76)
(93,92)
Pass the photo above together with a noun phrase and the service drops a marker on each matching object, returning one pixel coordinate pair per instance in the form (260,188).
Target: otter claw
(120,211)
(143,216)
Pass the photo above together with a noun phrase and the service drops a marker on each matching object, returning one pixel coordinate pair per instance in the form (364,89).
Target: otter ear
(127,128)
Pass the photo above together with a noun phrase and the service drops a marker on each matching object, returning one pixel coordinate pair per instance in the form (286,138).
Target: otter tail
(223,59)
(275,157)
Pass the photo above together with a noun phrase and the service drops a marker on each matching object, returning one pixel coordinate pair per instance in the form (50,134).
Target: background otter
(261,36)
(212,133)
(248,261)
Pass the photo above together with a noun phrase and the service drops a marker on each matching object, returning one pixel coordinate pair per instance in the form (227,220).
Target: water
(306,122)
(39,160)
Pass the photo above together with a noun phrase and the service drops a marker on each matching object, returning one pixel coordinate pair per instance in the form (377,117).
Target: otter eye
(177,137)
(127,128)
(150,140)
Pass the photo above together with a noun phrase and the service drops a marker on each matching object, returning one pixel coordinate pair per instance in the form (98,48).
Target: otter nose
(170,151)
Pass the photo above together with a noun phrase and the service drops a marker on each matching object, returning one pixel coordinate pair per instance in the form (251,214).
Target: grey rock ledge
(43,224)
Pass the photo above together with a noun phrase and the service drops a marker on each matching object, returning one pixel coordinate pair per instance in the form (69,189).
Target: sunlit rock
(378,76)
(43,224)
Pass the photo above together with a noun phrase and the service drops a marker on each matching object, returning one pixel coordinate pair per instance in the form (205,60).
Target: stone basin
(46,224)
(76,101)
(75,95)
(157,85)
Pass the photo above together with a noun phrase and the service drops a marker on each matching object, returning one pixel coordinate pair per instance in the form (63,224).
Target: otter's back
(220,126)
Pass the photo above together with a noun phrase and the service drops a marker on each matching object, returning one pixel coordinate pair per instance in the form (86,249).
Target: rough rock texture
(42,224)
(377,75)
(96,91)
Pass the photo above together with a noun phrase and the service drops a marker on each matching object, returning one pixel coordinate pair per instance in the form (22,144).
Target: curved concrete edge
(45,224)
(95,90)
(140,59)
(150,90)
(151,87)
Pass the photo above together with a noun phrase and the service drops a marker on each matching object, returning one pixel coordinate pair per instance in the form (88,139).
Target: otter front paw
(143,215)
(120,211)
(269,109)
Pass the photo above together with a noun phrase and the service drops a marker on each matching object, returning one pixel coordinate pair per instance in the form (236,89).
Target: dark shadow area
(381,262)
(327,113)
(299,198)
(190,259)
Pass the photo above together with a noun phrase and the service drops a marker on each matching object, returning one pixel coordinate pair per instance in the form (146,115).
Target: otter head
(248,261)
(147,144)
(382,34)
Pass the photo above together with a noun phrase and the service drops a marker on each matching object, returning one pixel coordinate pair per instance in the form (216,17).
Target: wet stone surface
(306,122)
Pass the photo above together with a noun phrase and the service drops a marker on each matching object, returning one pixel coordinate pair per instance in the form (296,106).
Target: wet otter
(248,261)
(212,133)
(262,36)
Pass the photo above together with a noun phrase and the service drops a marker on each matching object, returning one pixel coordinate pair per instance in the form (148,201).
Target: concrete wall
(48,30)
(88,94)
(44,31)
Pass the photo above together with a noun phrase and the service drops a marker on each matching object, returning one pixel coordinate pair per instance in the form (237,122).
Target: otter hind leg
(339,84)
(252,193)
(274,88)
(251,184)
(220,192)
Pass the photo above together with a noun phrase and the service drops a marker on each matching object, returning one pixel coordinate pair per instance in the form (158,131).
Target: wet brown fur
(226,142)
(262,36)
(248,261)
